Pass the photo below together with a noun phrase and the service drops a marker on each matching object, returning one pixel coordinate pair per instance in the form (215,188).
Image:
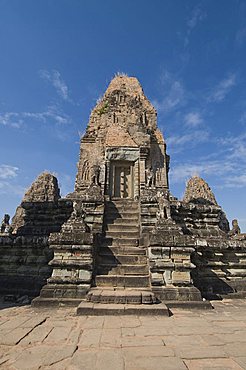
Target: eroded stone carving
(5,226)
(235,228)
(198,191)
(164,205)
(44,189)
(95,174)
(150,177)
(85,171)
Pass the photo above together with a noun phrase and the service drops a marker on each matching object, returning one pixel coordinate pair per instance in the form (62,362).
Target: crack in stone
(40,323)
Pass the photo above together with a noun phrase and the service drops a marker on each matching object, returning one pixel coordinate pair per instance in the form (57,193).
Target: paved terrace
(58,339)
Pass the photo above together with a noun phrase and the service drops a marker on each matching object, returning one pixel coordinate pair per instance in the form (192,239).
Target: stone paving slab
(58,339)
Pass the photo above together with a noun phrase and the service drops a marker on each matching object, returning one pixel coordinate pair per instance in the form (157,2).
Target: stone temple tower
(125,245)
(122,149)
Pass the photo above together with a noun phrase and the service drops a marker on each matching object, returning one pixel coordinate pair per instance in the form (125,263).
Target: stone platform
(58,339)
(97,309)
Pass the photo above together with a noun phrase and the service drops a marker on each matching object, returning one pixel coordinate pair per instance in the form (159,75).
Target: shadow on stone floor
(9,301)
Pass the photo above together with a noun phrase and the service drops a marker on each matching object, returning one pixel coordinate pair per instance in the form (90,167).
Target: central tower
(122,150)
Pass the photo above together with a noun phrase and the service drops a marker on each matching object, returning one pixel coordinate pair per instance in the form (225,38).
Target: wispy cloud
(223,88)
(177,143)
(228,165)
(7,174)
(8,171)
(11,119)
(236,147)
(6,187)
(236,181)
(197,15)
(175,95)
(193,119)
(52,114)
(54,77)
(241,37)
(183,171)
(66,183)
(242,119)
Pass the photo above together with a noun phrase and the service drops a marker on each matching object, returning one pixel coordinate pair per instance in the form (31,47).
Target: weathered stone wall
(170,263)
(74,250)
(199,219)
(24,265)
(220,267)
(43,218)
(123,118)
(197,190)
(25,254)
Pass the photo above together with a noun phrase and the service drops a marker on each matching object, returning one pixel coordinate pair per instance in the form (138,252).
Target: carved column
(136,179)
(107,177)
(142,166)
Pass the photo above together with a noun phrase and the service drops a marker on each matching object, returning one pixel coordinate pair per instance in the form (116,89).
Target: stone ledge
(55,302)
(198,305)
(97,309)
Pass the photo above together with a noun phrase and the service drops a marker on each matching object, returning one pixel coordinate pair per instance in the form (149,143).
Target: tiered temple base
(122,276)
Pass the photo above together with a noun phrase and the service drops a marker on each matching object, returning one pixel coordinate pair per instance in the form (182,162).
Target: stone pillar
(136,180)
(170,263)
(107,177)
(72,264)
(142,166)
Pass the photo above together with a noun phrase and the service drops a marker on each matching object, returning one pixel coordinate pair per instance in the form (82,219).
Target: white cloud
(197,15)
(193,119)
(243,118)
(57,82)
(227,166)
(11,119)
(7,171)
(7,174)
(235,146)
(237,181)
(175,95)
(178,143)
(51,114)
(66,183)
(184,171)
(241,36)
(222,89)
(14,189)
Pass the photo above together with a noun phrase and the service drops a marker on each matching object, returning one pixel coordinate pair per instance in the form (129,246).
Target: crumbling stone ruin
(121,243)
(25,252)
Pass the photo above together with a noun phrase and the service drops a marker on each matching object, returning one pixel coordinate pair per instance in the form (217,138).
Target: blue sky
(57,57)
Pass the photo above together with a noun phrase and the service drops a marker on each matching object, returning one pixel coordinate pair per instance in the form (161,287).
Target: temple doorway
(121,179)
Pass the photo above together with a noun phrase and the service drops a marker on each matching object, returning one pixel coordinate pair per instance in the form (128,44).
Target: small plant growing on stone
(103,109)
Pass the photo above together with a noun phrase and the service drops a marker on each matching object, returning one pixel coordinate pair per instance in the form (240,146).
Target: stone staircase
(122,278)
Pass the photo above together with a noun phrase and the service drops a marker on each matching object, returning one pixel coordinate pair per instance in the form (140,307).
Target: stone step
(122,205)
(122,227)
(121,296)
(105,250)
(123,270)
(121,242)
(121,259)
(119,221)
(122,214)
(122,281)
(96,309)
(122,234)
